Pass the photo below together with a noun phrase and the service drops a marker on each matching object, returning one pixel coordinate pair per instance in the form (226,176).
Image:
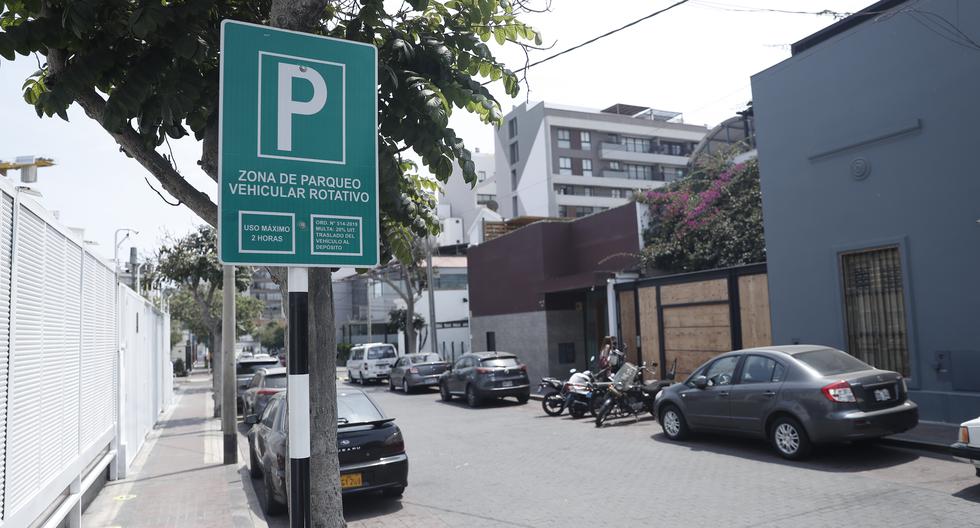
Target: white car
(967,448)
(371,362)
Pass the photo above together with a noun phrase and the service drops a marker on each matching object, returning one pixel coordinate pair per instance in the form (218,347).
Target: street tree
(148,72)
(272,336)
(407,277)
(398,322)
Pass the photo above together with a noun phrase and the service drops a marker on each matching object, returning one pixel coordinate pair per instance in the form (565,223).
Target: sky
(696,59)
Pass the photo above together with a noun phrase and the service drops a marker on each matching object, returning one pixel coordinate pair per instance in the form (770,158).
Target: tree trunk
(326,507)
(216,357)
(411,339)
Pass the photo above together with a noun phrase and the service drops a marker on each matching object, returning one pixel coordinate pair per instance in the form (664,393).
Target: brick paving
(178,479)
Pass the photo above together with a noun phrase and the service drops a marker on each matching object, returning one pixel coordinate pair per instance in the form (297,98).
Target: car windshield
(829,361)
(355,407)
(276,382)
(425,358)
(499,362)
(245,369)
(381,353)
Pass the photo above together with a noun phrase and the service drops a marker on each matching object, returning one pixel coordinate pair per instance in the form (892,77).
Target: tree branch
(133,145)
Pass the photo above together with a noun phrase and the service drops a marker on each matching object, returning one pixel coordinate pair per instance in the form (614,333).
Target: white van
(371,362)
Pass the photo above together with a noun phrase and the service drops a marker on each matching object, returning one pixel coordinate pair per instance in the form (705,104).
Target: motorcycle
(629,395)
(554,401)
(584,394)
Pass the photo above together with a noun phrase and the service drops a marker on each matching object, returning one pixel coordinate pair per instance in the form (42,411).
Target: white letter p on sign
(288,107)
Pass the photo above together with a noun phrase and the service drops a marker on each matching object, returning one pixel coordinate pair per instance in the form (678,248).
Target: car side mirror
(252,419)
(700,382)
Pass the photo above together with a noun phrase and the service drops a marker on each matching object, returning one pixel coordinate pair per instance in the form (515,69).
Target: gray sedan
(416,370)
(794,395)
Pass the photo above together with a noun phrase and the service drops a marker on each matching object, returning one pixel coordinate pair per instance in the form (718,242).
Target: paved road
(510,465)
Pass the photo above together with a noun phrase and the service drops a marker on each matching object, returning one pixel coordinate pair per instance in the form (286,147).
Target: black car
(416,370)
(369,444)
(795,395)
(486,375)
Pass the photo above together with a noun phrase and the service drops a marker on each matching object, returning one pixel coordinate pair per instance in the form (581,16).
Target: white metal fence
(69,339)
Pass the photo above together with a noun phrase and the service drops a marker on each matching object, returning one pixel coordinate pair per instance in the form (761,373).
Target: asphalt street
(508,464)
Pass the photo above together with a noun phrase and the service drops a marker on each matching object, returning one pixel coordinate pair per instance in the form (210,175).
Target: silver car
(795,396)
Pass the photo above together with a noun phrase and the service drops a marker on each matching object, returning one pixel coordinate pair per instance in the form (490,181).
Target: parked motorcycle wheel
(576,412)
(594,405)
(604,411)
(553,403)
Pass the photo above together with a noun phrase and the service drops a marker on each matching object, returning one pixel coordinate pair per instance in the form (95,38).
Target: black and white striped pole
(298,398)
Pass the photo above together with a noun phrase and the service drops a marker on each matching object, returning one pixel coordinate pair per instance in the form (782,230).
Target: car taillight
(483,370)
(964,435)
(266,392)
(394,444)
(839,392)
(413,370)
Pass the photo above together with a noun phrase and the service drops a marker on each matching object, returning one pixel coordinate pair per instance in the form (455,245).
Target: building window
(638,172)
(634,144)
(514,153)
(564,138)
(512,128)
(583,211)
(513,202)
(586,137)
(564,166)
(481,175)
(586,167)
(614,165)
(616,193)
(483,199)
(513,180)
(562,211)
(450,281)
(874,308)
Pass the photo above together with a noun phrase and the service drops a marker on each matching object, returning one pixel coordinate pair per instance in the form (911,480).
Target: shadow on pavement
(833,458)
(368,505)
(971,494)
(497,403)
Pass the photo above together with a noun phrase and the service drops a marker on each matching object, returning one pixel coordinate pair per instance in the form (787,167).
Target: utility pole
(298,396)
(432,296)
(228,388)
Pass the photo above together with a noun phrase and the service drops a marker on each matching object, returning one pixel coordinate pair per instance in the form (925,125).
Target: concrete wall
(524,334)
(896,97)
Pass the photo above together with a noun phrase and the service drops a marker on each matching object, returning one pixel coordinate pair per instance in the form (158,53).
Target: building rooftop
(868,13)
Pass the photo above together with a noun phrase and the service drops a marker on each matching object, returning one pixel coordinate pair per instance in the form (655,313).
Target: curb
(932,447)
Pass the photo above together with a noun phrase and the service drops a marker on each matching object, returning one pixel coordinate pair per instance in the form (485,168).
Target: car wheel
(405,387)
(350,377)
(391,385)
(471,398)
(393,492)
(789,438)
(254,470)
(523,398)
(271,505)
(444,392)
(360,378)
(673,422)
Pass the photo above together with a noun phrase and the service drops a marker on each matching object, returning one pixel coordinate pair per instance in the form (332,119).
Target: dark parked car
(246,366)
(371,449)
(795,396)
(416,370)
(484,375)
(266,383)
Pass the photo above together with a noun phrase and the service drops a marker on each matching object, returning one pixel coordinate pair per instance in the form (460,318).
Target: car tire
(673,423)
(471,397)
(350,377)
(391,385)
(789,438)
(393,492)
(523,398)
(444,392)
(405,388)
(271,505)
(254,470)
(360,378)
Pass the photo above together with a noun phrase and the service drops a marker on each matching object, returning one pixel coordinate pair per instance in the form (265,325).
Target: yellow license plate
(352,480)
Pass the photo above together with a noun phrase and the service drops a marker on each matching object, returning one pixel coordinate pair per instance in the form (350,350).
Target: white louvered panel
(6,232)
(98,351)
(72,316)
(54,394)
(26,364)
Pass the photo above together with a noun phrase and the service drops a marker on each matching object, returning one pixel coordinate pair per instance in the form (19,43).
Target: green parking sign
(297,162)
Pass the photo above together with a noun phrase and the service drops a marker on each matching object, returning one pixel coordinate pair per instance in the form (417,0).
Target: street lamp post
(128,231)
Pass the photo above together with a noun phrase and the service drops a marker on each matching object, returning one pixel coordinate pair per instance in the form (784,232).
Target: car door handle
(769,394)
(723,394)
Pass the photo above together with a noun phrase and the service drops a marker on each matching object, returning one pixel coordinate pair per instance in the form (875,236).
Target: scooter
(554,401)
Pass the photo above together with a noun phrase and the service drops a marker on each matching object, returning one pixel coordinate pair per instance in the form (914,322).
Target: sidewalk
(178,478)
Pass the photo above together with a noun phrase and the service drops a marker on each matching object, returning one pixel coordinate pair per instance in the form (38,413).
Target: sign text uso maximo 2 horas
(298,158)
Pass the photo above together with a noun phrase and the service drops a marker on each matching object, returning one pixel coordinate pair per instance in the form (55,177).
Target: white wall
(60,367)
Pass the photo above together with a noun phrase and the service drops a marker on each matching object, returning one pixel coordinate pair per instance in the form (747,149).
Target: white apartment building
(559,161)
(463,207)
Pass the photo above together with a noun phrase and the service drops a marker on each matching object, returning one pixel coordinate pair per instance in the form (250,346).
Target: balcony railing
(653,149)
